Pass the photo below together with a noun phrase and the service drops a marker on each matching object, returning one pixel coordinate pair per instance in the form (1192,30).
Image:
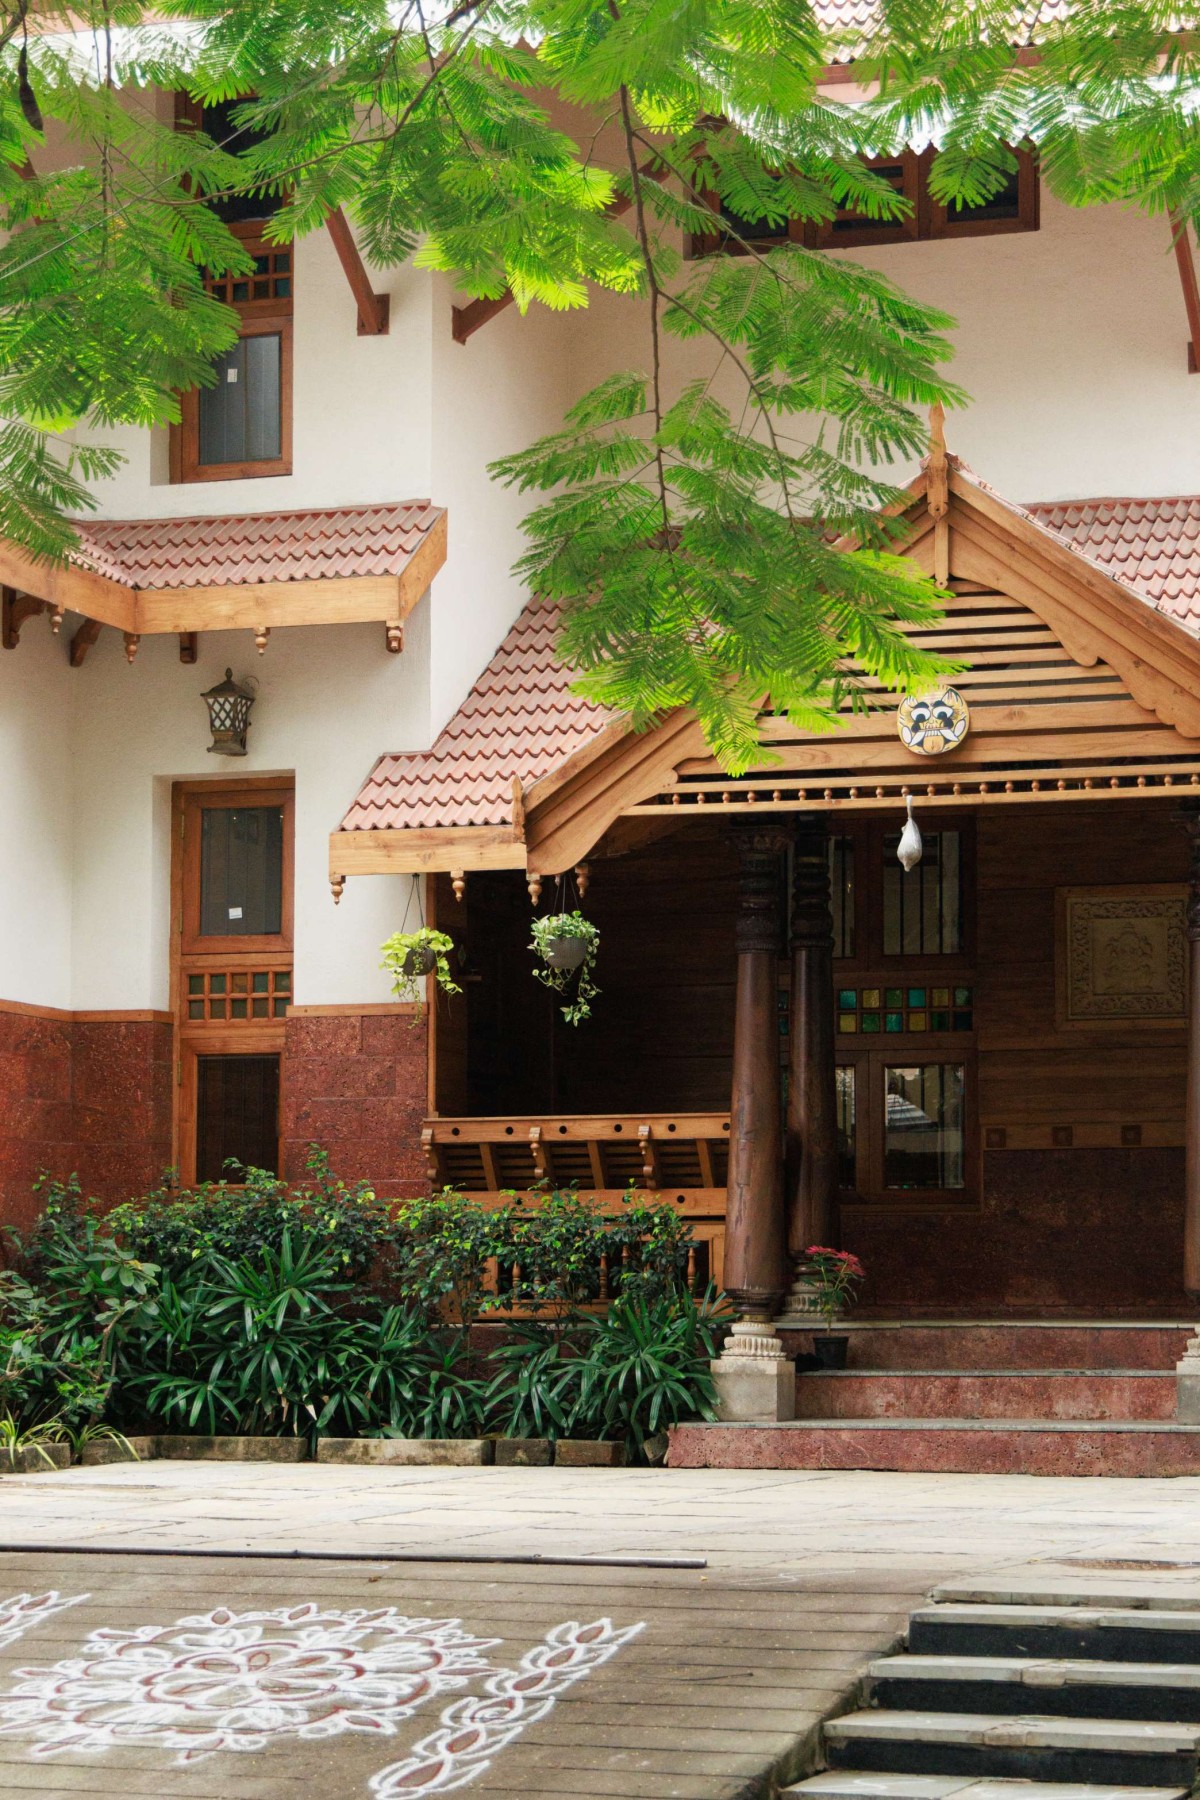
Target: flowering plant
(835,1274)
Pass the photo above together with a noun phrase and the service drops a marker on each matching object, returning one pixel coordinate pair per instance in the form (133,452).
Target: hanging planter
(411,956)
(565,944)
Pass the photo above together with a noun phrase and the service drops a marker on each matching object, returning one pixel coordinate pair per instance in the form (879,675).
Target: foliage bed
(324,1310)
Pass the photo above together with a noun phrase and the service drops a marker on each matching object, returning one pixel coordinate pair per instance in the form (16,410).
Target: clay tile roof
(851,21)
(1151,546)
(250,547)
(520,718)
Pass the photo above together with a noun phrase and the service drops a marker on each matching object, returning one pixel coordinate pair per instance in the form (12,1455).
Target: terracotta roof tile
(851,21)
(1151,546)
(520,718)
(249,547)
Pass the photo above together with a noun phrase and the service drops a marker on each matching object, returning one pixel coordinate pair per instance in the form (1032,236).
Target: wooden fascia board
(1093,614)
(339,600)
(67,586)
(562,832)
(425,851)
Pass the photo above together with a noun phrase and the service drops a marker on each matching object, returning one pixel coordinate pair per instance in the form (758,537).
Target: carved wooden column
(812,1147)
(756,1276)
(1191,1216)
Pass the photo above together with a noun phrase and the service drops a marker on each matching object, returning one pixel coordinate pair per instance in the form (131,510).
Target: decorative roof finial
(937,464)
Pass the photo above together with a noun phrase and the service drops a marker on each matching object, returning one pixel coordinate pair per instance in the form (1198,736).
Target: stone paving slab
(240,1678)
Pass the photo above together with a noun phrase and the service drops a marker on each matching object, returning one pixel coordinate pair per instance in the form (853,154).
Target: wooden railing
(680,1158)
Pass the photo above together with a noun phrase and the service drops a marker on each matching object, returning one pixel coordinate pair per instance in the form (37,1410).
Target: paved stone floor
(417,1666)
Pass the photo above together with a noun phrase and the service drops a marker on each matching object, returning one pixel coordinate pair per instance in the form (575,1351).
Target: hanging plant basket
(565,946)
(411,956)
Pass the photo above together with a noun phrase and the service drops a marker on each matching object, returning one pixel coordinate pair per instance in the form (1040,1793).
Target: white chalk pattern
(238,1681)
(21,1612)
(473,1731)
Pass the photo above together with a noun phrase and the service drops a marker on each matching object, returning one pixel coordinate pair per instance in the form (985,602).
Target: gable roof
(522,719)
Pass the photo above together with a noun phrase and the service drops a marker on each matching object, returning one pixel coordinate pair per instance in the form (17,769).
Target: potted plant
(410,956)
(566,944)
(834,1274)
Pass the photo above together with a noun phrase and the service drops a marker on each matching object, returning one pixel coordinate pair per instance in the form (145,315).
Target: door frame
(192,1038)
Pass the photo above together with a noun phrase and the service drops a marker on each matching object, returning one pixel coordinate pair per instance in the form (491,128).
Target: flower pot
(565,952)
(830,1349)
(420,960)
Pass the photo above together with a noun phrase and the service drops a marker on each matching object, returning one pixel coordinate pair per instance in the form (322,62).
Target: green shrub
(645,1367)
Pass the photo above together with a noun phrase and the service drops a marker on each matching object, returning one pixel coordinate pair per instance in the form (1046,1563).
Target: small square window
(916,996)
(870,1021)
(918,1021)
(871,997)
(893,1021)
(847,998)
(216,984)
(260,981)
(847,1022)
(195,984)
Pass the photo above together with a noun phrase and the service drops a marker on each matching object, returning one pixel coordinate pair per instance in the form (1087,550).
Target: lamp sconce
(228,706)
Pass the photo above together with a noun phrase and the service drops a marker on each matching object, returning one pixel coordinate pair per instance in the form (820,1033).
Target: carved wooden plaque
(1122,955)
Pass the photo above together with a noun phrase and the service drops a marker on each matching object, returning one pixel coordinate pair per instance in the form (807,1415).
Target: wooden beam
(188,646)
(374,310)
(67,586)
(15,609)
(425,850)
(83,640)
(1191,287)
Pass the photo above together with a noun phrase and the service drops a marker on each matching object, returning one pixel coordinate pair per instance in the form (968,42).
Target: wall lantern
(228,716)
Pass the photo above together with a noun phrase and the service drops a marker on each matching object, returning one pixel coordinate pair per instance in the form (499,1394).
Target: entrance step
(1024,1747)
(1013,1393)
(853,1784)
(945,1445)
(906,1345)
(1069,1687)
(1111,1634)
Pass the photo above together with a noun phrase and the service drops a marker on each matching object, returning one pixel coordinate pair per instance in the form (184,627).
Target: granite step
(1165,1692)
(855,1784)
(905,1344)
(1023,1746)
(1112,1634)
(1010,1393)
(1131,1447)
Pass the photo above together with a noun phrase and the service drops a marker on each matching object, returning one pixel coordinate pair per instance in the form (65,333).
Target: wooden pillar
(756,1271)
(812,1147)
(1191,1216)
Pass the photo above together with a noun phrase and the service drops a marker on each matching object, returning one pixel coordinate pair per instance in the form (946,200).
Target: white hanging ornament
(910,848)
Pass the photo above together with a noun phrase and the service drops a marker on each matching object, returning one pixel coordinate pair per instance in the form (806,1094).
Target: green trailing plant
(410,956)
(441,1249)
(566,946)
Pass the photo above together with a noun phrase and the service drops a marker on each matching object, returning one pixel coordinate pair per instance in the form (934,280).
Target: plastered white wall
(329,699)
(35,821)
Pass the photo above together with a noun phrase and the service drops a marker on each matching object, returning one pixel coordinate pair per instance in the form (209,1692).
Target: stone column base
(802,1308)
(1187,1384)
(755,1377)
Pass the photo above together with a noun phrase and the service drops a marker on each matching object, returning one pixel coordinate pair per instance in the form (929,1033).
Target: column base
(1187,1384)
(754,1376)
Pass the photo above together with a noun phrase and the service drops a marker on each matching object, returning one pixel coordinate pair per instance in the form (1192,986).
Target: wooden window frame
(927,221)
(867,958)
(218,1041)
(193,798)
(870,1105)
(259,318)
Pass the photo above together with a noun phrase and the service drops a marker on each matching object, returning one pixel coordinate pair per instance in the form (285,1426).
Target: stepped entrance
(987,1396)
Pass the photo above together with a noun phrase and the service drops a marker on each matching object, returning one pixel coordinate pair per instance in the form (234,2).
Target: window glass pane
(922,909)
(841,891)
(240,415)
(241,871)
(237,1114)
(1003,205)
(924,1143)
(846,1097)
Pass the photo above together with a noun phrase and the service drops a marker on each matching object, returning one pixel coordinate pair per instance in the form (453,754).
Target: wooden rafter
(1191,287)
(15,609)
(374,310)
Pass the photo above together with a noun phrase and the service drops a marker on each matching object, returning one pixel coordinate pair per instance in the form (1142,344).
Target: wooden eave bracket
(374,310)
(15,609)
(1191,287)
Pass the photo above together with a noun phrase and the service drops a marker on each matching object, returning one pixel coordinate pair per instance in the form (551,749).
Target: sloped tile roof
(1151,546)
(250,547)
(849,22)
(520,718)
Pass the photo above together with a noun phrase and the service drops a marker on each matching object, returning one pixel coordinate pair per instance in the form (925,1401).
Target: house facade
(975,1074)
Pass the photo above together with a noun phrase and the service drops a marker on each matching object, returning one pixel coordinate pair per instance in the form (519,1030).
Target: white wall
(35,821)
(329,700)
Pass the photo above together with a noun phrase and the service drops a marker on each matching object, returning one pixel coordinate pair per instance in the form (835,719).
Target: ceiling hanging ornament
(910,849)
(932,723)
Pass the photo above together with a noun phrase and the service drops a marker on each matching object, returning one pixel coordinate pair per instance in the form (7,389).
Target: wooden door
(232,972)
